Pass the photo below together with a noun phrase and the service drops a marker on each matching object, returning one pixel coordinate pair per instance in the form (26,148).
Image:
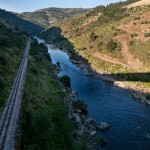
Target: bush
(132,43)
(148,96)
(79,104)
(133,34)
(93,36)
(137,18)
(147,35)
(65,80)
(111,45)
(115,34)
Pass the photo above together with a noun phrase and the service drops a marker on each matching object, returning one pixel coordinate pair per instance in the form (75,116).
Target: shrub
(111,45)
(132,43)
(133,34)
(93,36)
(148,96)
(134,23)
(79,104)
(147,35)
(137,18)
(65,80)
(115,34)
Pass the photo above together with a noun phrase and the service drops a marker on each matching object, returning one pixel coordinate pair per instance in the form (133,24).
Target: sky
(32,5)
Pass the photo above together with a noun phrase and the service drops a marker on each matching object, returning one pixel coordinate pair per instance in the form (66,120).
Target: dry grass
(140,3)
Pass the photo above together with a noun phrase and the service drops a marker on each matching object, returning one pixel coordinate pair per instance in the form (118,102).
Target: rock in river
(104,126)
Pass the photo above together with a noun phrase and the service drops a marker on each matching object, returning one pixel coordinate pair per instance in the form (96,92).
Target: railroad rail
(10,116)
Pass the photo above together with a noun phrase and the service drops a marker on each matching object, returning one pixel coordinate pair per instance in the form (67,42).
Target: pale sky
(32,5)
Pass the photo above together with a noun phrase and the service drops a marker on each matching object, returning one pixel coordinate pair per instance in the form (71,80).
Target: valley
(87,80)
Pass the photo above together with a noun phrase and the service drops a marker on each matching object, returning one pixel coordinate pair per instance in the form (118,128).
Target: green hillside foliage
(12,45)
(50,16)
(44,119)
(29,27)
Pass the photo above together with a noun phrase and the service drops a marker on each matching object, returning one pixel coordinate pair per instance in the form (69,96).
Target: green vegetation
(147,34)
(99,140)
(134,34)
(93,36)
(111,45)
(80,105)
(141,50)
(50,16)
(137,18)
(145,22)
(44,120)
(12,44)
(30,28)
(65,80)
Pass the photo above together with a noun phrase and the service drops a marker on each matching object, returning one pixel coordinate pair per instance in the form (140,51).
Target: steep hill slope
(30,28)
(12,44)
(50,16)
(112,39)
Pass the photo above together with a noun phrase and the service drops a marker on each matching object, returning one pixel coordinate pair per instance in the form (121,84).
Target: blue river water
(130,119)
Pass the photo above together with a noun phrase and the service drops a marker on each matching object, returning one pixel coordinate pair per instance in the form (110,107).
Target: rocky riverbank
(83,127)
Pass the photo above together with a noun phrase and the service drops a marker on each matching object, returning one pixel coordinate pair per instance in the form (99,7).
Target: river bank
(138,92)
(85,128)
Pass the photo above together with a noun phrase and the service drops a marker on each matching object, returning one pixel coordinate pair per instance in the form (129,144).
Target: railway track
(10,116)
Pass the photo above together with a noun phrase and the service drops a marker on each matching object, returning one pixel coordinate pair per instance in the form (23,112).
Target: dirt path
(107,58)
(10,114)
(131,61)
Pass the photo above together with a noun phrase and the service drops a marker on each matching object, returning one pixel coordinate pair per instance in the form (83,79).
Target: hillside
(29,27)
(112,39)
(50,16)
(12,44)
(140,3)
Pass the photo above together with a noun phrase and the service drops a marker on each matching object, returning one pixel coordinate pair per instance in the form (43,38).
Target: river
(130,119)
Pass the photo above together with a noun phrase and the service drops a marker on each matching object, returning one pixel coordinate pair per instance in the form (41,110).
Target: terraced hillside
(50,16)
(112,39)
